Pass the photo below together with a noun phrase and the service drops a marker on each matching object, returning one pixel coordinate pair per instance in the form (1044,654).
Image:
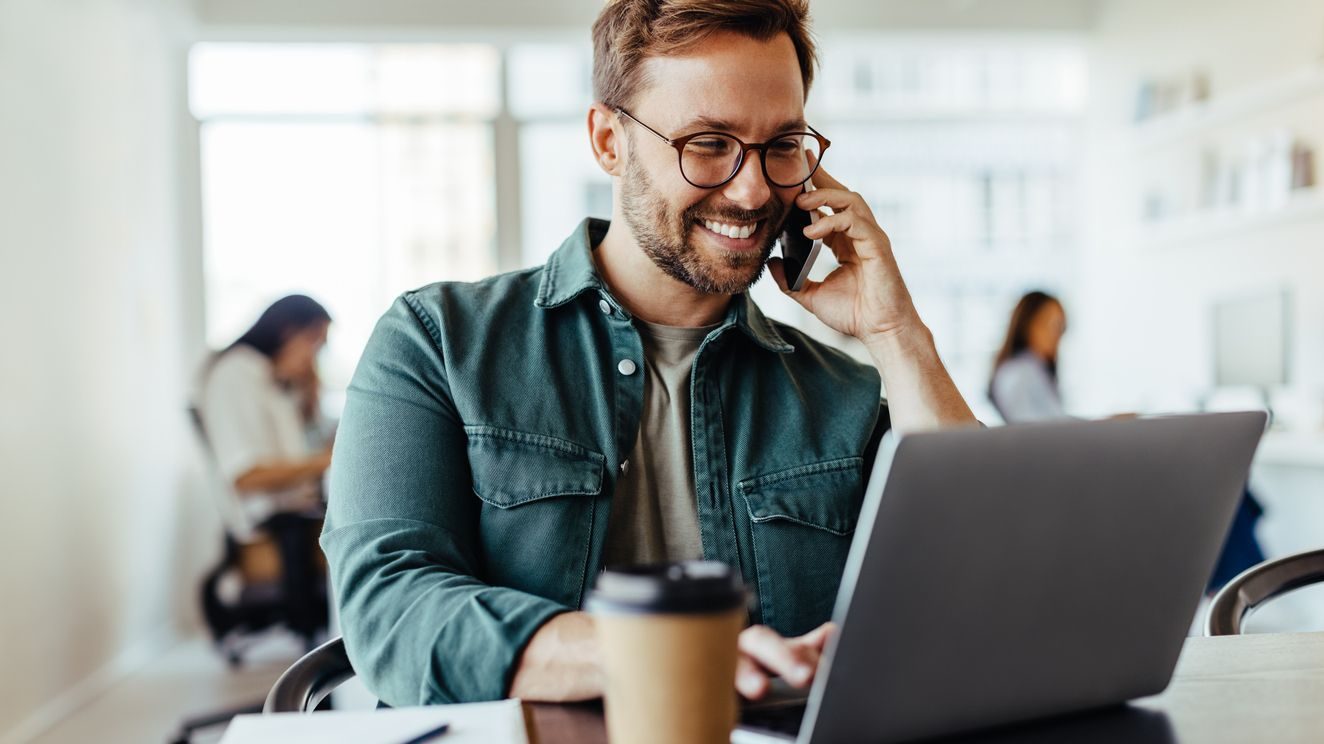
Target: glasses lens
(709,159)
(788,159)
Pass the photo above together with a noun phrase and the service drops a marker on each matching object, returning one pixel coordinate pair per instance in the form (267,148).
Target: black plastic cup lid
(688,587)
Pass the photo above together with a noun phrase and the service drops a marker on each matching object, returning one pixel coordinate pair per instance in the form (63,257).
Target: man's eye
(784,147)
(709,145)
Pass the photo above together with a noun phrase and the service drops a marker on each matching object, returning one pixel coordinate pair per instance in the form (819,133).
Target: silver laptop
(1007,574)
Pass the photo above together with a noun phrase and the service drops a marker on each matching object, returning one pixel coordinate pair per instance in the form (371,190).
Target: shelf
(1291,449)
(1219,110)
(1304,206)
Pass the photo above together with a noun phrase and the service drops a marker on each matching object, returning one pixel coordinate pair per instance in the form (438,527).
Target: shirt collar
(570,272)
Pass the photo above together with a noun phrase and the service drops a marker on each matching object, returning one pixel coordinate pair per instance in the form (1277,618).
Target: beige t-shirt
(654,512)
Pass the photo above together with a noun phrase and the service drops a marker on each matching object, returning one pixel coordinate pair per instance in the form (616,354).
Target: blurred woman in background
(258,409)
(1024,382)
(259,406)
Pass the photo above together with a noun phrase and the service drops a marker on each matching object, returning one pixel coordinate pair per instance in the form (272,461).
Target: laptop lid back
(1005,574)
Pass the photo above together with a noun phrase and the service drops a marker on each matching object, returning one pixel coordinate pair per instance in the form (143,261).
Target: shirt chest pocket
(802,521)
(538,498)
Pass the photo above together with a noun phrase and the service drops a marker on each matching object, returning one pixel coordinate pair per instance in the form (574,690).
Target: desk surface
(1252,688)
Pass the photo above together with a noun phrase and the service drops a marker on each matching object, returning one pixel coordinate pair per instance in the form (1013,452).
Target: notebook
(500,722)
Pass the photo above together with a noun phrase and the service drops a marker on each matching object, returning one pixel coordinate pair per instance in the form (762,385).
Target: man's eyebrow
(708,123)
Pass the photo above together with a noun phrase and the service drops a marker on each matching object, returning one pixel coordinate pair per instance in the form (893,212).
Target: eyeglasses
(711,159)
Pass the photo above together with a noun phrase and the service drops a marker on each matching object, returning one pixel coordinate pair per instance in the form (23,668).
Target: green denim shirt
(486,427)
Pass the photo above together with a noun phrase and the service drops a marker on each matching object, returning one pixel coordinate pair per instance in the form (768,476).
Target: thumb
(804,297)
(777,270)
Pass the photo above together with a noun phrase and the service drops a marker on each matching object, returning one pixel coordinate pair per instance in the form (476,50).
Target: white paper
(500,722)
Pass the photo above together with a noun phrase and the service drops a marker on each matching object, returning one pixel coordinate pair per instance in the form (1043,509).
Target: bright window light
(347,172)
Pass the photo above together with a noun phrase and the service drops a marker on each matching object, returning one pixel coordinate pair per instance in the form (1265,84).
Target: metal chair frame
(1259,584)
(310,679)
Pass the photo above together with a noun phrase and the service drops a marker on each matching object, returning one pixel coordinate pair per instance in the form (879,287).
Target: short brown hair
(628,31)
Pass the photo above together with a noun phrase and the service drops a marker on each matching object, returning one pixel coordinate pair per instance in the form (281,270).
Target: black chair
(297,601)
(1258,585)
(305,685)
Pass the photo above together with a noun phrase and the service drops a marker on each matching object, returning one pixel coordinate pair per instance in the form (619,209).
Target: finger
(818,637)
(804,296)
(866,239)
(843,250)
(776,654)
(841,222)
(835,198)
(750,679)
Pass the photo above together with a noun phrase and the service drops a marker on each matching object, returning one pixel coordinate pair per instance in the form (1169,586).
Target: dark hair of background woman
(286,317)
(1018,331)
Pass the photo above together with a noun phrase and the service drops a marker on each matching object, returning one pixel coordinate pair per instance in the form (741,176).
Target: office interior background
(169,167)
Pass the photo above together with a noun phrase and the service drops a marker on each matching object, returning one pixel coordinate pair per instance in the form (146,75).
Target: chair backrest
(220,490)
(1258,585)
(307,683)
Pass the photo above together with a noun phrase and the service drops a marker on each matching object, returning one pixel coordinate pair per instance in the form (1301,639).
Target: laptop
(1008,574)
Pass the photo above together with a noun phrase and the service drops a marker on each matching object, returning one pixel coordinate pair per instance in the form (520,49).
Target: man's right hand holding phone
(865,297)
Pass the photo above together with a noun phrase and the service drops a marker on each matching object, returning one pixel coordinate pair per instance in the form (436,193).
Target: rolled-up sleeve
(401,536)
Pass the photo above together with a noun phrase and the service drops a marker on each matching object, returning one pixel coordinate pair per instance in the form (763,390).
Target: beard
(667,236)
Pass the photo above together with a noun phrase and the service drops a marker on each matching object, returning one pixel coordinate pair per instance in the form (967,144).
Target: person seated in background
(1024,385)
(1024,388)
(259,408)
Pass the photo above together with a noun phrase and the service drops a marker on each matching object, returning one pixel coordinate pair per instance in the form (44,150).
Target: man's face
(729,83)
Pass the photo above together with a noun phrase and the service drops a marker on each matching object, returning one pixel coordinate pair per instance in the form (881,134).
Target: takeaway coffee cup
(668,635)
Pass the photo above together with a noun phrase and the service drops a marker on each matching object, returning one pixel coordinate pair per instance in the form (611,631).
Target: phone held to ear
(798,251)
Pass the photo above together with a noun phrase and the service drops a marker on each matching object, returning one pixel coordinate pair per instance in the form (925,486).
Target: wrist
(561,663)
(908,341)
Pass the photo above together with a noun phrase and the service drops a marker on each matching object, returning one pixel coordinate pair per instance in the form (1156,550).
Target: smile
(730,230)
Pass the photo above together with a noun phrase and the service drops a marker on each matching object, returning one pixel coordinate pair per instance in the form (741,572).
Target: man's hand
(865,297)
(763,653)
(562,661)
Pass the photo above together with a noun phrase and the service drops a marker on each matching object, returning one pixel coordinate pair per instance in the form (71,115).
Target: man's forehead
(708,122)
(729,83)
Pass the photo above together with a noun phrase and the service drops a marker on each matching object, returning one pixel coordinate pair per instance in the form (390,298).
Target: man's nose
(749,189)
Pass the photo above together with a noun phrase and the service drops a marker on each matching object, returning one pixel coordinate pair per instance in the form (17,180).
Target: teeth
(731,231)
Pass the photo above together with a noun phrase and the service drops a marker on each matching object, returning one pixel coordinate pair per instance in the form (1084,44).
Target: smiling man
(627,402)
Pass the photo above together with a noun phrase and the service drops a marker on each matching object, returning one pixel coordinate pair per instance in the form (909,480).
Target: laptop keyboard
(784,719)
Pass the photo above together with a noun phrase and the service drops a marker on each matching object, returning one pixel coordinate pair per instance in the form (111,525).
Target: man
(503,441)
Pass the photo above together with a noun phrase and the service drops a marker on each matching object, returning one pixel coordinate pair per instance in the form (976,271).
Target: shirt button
(627,367)
(605,307)
(625,466)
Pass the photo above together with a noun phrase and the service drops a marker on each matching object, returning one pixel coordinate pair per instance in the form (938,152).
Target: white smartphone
(798,252)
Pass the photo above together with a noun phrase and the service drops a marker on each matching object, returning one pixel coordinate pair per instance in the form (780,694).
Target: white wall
(103,530)
(1140,323)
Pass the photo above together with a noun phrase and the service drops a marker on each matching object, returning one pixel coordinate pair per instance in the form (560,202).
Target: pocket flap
(514,467)
(826,495)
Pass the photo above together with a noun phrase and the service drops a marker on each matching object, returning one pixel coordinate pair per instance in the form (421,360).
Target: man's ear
(607,141)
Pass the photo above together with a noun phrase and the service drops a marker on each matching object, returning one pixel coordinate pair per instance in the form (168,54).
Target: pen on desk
(428,735)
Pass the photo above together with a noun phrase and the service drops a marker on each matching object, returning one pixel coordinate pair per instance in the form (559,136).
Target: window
(354,171)
(347,172)
(560,183)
